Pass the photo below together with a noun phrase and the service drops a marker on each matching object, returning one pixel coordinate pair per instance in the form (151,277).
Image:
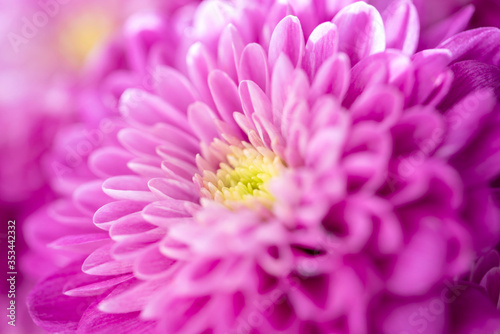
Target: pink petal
(287,39)
(253,66)
(138,142)
(200,64)
(360,30)
(96,321)
(129,226)
(201,120)
(146,109)
(50,308)
(254,100)
(225,95)
(165,213)
(332,77)
(128,188)
(89,285)
(172,150)
(444,29)
(173,135)
(420,264)
(229,51)
(133,298)
(109,161)
(83,243)
(321,45)
(402,26)
(110,213)
(174,88)
(146,167)
(65,211)
(168,188)
(380,104)
(280,81)
(100,262)
(153,264)
(89,197)
(131,248)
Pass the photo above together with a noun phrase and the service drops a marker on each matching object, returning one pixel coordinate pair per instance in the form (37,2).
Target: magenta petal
(444,29)
(430,65)
(483,265)
(141,31)
(465,119)
(361,31)
(332,77)
(89,197)
(172,135)
(200,64)
(473,312)
(225,95)
(418,129)
(109,213)
(51,309)
(129,226)
(473,79)
(253,66)
(287,39)
(100,262)
(328,140)
(168,188)
(110,161)
(321,45)
(254,100)
(83,243)
(402,27)
(174,87)
(200,118)
(146,109)
(165,213)
(128,187)
(131,248)
(278,11)
(153,264)
(373,70)
(420,264)
(64,211)
(139,143)
(479,44)
(173,150)
(90,285)
(380,104)
(491,283)
(229,51)
(133,298)
(96,321)
(280,80)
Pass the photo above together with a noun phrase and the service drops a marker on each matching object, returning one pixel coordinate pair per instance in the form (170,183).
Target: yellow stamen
(244,178)
(81,33)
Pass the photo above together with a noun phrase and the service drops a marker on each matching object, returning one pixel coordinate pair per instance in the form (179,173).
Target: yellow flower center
(244,179)
(81,33)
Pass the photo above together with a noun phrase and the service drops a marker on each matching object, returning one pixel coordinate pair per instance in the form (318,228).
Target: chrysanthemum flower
(279,173)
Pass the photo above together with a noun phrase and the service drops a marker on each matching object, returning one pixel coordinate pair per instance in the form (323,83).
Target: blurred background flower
(108,103)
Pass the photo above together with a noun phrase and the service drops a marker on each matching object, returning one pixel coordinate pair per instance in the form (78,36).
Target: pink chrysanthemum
(279,173)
